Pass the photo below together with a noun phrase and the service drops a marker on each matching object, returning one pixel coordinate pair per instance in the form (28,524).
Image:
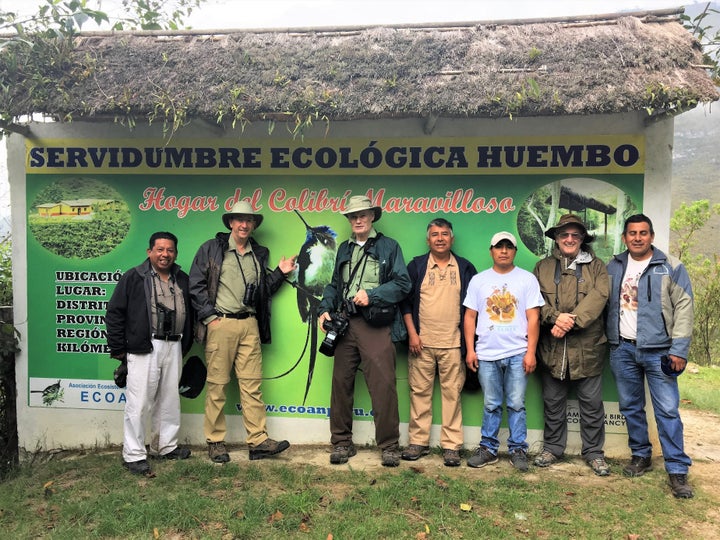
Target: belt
(169,337)
(241,315)
(626,340)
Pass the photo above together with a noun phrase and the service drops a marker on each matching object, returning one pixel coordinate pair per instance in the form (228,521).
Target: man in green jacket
(575,286)
(369,272)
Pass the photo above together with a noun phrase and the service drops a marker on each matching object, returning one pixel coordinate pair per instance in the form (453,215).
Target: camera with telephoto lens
(335,326)
(165,321)
(250,295)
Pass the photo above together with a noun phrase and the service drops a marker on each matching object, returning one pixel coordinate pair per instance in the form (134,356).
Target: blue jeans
(631,366)
(503,379)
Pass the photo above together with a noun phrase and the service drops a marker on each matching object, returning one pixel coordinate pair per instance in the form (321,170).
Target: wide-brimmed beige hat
(566,220)
(361,202)
(244,208)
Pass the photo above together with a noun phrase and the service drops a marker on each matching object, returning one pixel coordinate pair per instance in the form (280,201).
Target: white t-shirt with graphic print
(629,297)
(501,301)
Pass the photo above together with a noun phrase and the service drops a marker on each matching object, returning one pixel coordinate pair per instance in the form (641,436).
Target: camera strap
(363,259)
(242,274)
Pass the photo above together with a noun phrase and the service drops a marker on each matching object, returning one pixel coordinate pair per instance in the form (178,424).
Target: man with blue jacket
(650,315)
(433,314)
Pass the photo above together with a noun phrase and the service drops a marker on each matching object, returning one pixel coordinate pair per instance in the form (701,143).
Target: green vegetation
(708,36)
(42,44)
(91,496)
(700,390)
(688,223)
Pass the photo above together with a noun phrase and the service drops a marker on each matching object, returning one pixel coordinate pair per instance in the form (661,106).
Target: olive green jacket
(581,353)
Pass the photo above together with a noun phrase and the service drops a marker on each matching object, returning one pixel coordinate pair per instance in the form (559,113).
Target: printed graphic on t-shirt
(501,305)
(629,294)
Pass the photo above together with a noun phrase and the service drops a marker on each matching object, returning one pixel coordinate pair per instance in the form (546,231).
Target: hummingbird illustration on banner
(316,262)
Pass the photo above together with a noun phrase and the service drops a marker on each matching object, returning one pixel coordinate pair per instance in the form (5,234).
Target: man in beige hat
(230,290)
(369,273)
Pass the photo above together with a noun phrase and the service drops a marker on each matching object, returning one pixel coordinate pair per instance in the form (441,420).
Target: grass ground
(89,495)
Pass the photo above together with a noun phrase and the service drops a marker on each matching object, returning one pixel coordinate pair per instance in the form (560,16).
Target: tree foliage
(686,224)
(39,45)
(708,36)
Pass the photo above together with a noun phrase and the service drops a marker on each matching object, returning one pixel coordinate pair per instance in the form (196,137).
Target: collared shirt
(367,275)
(238,270)
(440,305)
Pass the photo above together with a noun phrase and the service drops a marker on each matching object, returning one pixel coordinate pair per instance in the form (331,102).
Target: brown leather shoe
(268,448)
(414,452)
(451,458)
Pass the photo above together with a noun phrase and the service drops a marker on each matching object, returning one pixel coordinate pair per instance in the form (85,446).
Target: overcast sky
(286,13)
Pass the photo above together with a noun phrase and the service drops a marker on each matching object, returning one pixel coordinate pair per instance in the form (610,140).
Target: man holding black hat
(649,316)
(149,329)
(369,273)
(230,290)
(503,311)
(572,349)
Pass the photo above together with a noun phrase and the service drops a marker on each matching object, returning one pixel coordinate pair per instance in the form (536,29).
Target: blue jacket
(394,280)
(665,304)
(417,270)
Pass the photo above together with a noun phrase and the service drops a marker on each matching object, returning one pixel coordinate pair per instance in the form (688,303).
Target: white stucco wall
(48,428)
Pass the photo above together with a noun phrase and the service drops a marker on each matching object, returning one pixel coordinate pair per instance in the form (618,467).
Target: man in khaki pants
(230,290)
(433,314)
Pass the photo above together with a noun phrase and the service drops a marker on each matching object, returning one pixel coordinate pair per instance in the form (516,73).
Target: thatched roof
(595,65)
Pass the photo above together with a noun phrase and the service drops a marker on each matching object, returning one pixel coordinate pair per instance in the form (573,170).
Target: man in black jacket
(231,290)
(433,314)
(149,327)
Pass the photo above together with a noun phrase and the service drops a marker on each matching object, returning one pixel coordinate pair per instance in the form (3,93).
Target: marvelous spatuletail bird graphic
(316,261)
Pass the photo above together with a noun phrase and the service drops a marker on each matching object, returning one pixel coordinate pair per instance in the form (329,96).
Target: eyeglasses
(574,235)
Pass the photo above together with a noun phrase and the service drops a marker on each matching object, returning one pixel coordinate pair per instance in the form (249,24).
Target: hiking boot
(599,466)
(481,457)
(138,467)
(519,460)
(679,486)
(451,458)
(638,466)
(268,448)
(415,452)
(391,457)
(341,453)
(217,452)
(545,459)
(176,453)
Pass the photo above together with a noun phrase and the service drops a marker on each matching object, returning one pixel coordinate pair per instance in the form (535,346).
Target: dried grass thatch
(604,64)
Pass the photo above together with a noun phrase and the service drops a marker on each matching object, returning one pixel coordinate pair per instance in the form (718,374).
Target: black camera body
(335,326)
(250,295)
(165,321)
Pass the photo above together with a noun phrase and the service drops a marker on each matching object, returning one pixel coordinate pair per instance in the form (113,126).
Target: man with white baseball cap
(503,311)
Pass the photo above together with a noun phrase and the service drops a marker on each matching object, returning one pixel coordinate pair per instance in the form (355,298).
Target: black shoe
(138,467)
(451,458)
(268,448)
(679,486)
(481,457)
(177,453)
(341,453)
(217,452)
(414,452)
(638,466)
(519,460)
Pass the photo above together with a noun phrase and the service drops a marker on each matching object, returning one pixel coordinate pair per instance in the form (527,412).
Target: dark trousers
(592,414)
(370,349)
